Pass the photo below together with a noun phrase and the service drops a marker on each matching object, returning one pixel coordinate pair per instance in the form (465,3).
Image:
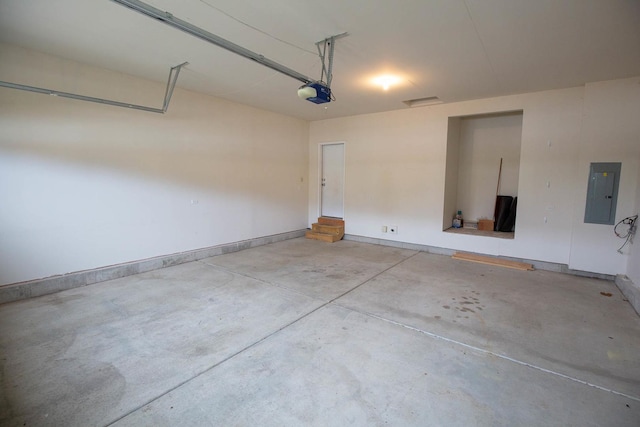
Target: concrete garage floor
(302,332)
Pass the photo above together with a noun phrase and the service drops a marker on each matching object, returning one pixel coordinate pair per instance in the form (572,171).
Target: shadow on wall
(85,185)
(214,146)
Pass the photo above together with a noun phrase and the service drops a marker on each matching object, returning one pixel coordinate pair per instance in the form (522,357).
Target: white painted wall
(396,166)
(610,133)
(85,185)
(483,142)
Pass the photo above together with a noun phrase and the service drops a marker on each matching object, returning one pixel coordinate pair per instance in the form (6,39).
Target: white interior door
(332,180)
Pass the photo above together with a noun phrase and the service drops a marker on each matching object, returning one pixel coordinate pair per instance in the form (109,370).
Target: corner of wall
(633,262)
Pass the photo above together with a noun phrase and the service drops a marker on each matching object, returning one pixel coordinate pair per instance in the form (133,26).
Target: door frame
(344,166)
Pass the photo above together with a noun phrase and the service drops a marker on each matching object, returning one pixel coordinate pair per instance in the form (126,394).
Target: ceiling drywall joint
(171,84)
(481,41)
(172,21)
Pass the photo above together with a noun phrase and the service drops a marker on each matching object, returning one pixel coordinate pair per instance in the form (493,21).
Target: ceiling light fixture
(386,81)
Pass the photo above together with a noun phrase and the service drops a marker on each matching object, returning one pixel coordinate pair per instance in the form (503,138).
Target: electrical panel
(602,193)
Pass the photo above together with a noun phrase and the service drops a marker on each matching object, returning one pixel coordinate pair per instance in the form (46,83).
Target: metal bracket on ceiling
(171,84)
(327,58)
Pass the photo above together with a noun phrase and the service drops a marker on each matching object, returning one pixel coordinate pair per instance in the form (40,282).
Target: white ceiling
(454,49)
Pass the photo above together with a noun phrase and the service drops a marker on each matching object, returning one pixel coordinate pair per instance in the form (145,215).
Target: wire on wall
(630,222)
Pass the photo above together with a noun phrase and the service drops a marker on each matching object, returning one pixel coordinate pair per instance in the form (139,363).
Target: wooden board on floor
(492,261)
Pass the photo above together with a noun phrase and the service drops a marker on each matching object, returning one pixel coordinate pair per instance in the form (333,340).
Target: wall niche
(475,145)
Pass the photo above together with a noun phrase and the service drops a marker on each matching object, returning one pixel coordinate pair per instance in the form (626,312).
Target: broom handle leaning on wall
(497,190)
(499,177)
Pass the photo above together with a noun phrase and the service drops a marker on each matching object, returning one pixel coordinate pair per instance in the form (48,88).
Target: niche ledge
(484,233)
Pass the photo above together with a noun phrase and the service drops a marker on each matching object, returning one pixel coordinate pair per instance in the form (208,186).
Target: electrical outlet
(393,229)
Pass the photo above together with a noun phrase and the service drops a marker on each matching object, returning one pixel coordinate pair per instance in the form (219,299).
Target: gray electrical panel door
(602,193)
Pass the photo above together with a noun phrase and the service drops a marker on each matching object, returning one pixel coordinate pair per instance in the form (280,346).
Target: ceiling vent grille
(421,102)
